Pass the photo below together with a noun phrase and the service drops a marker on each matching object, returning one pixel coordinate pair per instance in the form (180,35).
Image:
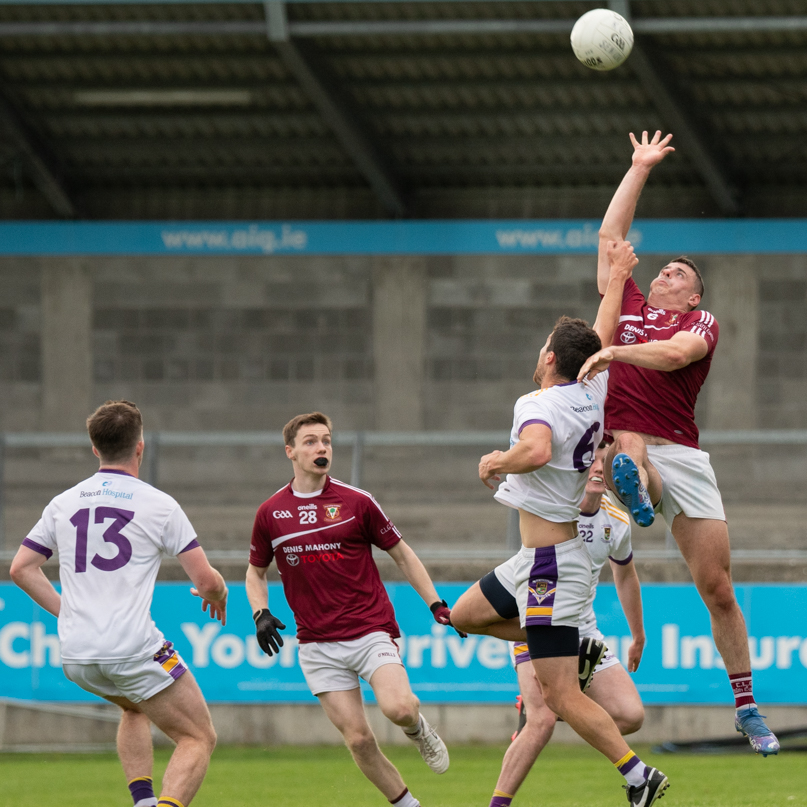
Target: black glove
(442,614)
(266,629)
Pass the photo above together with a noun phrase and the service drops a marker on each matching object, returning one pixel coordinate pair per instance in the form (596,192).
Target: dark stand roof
(395,109)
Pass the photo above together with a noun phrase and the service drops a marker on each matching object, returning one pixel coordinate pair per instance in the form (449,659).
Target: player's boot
(431,747)
(644,795)
(748,721)
(522,716)
(631,491)
(590,655)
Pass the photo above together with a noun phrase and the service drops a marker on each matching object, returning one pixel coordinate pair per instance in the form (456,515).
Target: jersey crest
(540,590)
(332,512)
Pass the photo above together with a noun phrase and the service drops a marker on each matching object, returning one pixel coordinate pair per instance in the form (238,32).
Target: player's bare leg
(398,704)
(473,613)
(136,754)
(613,689)
(345,710)
(524,750)
(561,691)
(180,712)
(704,543)
(394,694)
(558,679)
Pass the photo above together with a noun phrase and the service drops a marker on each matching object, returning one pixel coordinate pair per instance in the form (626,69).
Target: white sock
(151,802)
(406,799)
(414,732)
(747,706)
(637,775)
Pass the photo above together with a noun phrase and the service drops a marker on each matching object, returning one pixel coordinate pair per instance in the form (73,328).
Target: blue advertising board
(680,664)
(516,237)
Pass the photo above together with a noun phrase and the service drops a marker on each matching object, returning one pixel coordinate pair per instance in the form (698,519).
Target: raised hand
(650,152)
(596,364)
(621,259)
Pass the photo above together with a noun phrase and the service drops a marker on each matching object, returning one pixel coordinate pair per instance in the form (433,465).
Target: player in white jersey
(605,530)
(110,532)
(555,433)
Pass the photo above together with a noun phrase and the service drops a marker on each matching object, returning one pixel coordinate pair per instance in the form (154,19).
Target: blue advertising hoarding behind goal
(680,664)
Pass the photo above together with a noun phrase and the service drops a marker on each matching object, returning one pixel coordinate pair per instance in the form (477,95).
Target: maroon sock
(406,799)
(743,689)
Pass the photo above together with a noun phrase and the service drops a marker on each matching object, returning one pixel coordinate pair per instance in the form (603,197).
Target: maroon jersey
(653,401)
(323,547)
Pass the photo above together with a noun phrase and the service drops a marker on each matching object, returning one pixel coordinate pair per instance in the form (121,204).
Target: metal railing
(358,441)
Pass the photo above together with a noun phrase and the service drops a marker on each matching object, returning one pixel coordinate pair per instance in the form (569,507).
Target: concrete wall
(250,724)
(408,343)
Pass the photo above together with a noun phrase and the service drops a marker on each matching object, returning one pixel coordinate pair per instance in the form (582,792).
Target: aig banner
(680,664)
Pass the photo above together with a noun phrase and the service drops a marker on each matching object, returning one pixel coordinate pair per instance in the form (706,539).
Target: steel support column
(38,165)
(687,131)
(334,108)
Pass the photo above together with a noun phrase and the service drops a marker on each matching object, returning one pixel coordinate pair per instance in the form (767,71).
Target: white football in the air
(602,39)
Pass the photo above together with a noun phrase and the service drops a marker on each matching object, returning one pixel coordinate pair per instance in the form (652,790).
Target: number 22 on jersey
(112,535)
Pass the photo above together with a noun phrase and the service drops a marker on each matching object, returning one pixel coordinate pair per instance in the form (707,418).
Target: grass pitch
(564,776)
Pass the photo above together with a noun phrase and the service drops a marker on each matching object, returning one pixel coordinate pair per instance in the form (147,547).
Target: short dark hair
(115,429)
(572,342)
(698,276)
(293,426)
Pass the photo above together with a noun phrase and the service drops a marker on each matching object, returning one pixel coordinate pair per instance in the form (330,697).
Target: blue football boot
(748,721)
(631,491)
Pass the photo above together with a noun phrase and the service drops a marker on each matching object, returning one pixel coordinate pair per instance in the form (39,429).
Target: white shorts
(553,584)
(506,574)
(336,666)
(689,484)
(521,652)
(135,680)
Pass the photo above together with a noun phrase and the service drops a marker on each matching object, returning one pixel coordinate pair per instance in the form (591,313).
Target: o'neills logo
(332,512)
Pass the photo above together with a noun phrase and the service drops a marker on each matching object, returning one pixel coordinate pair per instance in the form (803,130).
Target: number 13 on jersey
(112,535)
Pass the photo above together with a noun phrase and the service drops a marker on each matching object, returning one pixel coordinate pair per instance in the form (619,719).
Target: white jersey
(574,413)
(110,531)
(606,536)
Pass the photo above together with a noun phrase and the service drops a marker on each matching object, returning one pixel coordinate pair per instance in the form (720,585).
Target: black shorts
(552,641)
(498,596)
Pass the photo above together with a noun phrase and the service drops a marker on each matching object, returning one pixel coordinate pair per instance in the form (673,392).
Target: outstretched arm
(619,216)
(532,451)
(267,626)
(667,355)
(208,584)
(26,572)
(630,598)
(621,261)
(415,572)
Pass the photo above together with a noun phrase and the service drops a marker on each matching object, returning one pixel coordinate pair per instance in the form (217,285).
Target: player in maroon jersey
(321,532)
(661,356)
